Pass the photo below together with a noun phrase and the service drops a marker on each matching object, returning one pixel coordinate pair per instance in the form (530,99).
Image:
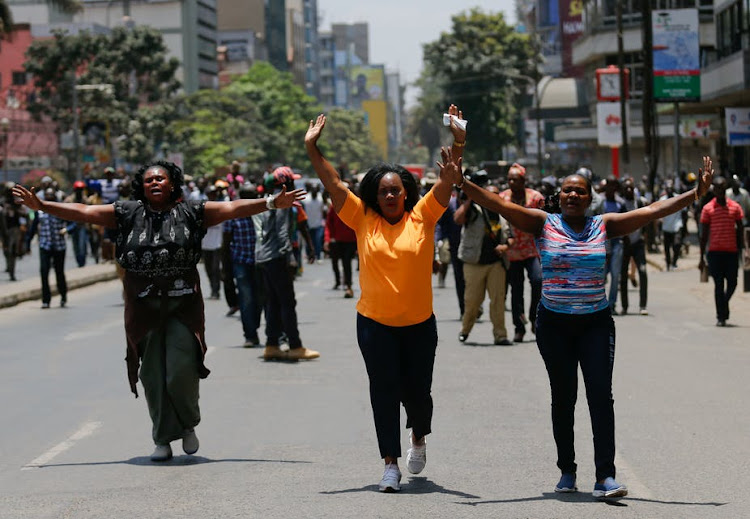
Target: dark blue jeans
(723,269)
(281,305)
(516,279)
(399,362)
(249,298)
(47,260)
(80,240)
(458,276)
(564,341)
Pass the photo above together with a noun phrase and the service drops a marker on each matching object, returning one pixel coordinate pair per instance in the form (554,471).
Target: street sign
(609,124)
(676,52)
(738,126)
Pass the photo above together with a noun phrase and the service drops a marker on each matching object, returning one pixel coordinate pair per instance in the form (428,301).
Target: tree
(424,121)
(480,64)
(134,73)
(6,18)
(348,139)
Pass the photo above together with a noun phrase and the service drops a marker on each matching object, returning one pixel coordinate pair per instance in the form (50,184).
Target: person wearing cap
(522,254)
(79,234)
(159,245)
(396,327)
(574,321)
(274,258)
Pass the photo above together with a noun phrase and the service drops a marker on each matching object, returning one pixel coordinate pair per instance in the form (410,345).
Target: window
(19,78)
(732,28)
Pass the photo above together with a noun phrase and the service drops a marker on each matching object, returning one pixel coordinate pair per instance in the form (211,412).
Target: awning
(561,98)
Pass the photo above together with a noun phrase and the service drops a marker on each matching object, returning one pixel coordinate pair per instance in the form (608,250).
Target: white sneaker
(190,442)
(391,479)
(416,456)
(162,453)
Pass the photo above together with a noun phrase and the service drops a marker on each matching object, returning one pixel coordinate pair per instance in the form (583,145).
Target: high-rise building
(326,57)
(188,27)
(356,34)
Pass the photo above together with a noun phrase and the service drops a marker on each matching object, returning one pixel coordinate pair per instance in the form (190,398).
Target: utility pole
(76,141)
(650,154)
(625,148)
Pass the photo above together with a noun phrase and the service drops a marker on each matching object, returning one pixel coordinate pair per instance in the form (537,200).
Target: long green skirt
(169,374)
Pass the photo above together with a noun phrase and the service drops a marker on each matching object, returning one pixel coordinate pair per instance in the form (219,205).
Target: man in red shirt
(722,231)
(523,254)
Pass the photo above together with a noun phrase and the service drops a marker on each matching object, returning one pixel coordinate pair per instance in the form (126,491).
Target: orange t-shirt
(395,261)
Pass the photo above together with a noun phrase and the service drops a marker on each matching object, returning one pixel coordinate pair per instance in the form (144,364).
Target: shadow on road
(583,497)
(415,485)
(177,461)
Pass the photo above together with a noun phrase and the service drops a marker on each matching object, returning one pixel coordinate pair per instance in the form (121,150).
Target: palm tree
(6,19)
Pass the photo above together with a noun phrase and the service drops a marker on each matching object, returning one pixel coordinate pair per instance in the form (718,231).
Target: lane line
(87,429)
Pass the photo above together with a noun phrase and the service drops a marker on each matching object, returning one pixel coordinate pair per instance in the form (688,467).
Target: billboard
(738,126)
(367,84)
(676,55)
(377,120)
(571,28)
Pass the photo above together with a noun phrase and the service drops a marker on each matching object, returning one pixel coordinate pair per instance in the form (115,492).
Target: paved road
(297,440)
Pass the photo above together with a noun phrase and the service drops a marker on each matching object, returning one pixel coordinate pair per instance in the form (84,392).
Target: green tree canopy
(480,64)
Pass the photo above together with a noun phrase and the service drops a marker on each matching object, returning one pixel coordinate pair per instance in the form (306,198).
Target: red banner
(571,28)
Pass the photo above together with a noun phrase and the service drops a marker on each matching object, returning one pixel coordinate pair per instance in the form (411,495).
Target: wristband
(271,202)
(459,144)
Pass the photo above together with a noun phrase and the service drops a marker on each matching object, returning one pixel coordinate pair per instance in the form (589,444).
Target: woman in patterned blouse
(159,246)
(574,324)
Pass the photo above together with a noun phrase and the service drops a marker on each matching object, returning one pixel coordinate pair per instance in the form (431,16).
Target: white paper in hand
(461,123)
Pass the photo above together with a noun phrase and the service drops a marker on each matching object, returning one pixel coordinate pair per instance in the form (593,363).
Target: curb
(36,293)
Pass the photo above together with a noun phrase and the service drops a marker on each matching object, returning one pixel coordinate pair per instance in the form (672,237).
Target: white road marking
(91,331)
(86,430)
(626,476)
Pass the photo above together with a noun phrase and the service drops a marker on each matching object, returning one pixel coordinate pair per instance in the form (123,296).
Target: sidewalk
(31,288)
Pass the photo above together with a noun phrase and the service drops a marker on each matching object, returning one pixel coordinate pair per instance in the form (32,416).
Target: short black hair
(368,187)
(176,177)
(585,179)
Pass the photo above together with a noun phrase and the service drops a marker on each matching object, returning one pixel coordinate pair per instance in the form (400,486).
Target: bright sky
(398,28)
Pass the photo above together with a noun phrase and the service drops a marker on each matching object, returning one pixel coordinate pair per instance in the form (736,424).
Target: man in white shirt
(671,228)
(313,205)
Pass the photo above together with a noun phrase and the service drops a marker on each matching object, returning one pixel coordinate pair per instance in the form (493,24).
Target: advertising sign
(609,124)
(738,126)
(676,55)
(571,28)
(367,84)
(696,128)
(377,120)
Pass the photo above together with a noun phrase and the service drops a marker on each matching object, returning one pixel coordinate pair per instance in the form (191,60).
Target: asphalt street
(297,440)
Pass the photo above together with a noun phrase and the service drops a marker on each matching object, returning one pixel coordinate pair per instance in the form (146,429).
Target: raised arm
(217,212)
(325,171)
(527,219)
(443,188)
(94,214)
(619,224)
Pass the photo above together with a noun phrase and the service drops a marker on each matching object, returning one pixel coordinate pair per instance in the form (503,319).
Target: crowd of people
(570,236)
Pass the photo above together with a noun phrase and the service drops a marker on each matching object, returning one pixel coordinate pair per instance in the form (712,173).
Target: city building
(326,57)
(188,27)
(353,34)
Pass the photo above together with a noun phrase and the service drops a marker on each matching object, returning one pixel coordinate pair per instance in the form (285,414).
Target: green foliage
(347,139)
(132,61)
(479,64)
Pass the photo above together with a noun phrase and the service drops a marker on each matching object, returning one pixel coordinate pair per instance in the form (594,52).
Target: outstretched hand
(450,171)
(315,129)
(705,177)
(26,197)
(284,200)
(459,135)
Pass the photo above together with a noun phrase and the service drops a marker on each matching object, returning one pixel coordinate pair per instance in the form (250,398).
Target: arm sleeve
(429,208)
(353,211)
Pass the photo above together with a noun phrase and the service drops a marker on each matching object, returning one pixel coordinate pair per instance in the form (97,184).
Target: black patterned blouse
(159,245)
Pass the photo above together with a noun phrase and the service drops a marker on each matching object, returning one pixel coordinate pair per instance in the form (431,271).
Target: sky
(398,28)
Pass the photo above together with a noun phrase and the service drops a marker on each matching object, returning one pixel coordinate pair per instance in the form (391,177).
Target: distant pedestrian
(396,327)
(522,254)
(52,232)
(12,220)
(671,228)
(340,241)
(722,233)
(159,245)
(314,207)
(574,320)
(634,247)
(211,246)
(79,235)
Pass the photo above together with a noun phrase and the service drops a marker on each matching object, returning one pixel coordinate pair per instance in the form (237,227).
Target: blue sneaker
(609,489)
(567,483)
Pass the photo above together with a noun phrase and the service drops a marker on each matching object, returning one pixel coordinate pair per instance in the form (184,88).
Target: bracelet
(271,202)
(463,180)
(459,144)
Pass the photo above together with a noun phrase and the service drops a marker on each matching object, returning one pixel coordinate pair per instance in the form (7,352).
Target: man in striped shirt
(722,232)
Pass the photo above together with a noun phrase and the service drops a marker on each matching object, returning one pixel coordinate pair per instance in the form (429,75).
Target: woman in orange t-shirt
(396,328)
